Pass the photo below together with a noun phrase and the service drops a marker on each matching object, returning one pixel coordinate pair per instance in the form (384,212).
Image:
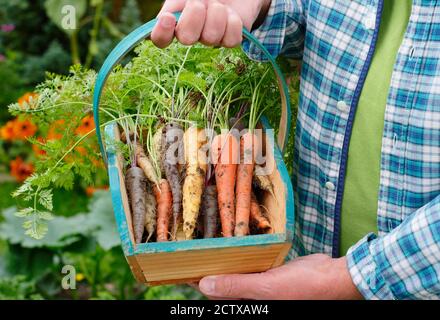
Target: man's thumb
(231,286)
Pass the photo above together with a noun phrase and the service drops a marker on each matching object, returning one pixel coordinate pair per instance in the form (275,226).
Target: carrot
(135,181)
(150,212)
(200,224)
(248,146)
(210,211)
(196,166)
(180,235)
(164,201)
(157,143)
(236,123)
(145,164)
(224,153)
(258,218)
(262,181)
(171,141)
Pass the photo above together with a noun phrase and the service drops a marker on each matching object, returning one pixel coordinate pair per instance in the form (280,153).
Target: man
(367,154)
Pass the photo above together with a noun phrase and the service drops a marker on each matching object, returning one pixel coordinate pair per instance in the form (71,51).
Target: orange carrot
(224,153)
(248,148)
(164,200)
(258,219)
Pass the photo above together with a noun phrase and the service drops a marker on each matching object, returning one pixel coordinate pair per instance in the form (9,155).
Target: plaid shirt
(336,40)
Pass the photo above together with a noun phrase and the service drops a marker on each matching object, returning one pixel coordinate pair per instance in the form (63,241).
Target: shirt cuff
(363,269)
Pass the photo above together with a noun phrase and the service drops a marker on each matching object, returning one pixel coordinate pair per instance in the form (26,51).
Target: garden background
(33,46)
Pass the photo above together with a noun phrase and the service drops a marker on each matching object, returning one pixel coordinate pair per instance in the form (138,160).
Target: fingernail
(166,22)
(207,285)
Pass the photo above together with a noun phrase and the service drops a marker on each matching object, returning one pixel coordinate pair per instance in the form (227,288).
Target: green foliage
(59,98)
(130,17)
(88,241)
(18,288)
(36,44)
(11,89)
(102,219)
(66,203)
(61,232)
(35,263)
(98,223)
(39,43)
(164,293)
(54,59)
(200,89)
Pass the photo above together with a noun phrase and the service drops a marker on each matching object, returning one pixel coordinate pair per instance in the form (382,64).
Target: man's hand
(212,22)
(312,277)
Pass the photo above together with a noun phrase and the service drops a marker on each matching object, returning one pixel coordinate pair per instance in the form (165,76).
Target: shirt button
(342,106)
(330,186)
(370,22)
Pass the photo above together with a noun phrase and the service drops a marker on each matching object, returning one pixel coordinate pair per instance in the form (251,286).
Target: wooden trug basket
(188,261)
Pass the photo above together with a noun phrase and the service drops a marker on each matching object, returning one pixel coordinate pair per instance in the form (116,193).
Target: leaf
(58,232)
(101,215)
(34,263)
(36,229)
(64,177)
(25,188)
(190,78)
(57,11)
(61,231)
(43,215)
(24,212)
(45,199)
(18,288)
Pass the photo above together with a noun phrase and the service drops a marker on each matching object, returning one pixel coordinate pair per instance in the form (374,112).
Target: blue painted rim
(143,32)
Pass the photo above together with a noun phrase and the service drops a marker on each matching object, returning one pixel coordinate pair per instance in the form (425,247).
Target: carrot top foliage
(198,86)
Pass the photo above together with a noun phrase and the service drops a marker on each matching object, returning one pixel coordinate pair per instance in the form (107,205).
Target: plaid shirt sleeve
(282,32)
(404,264)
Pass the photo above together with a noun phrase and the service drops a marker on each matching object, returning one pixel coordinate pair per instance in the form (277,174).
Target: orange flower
(91,190)
(28,97)
(98,163)
(24,129)
(7,131)
(81,150)
(20,170)
(56,130)
(87,125)
(37,149)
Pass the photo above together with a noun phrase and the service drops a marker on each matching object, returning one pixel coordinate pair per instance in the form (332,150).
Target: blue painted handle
(143,32)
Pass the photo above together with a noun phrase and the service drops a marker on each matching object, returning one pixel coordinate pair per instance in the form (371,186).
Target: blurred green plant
(89,241)
(18,288)
(34,41)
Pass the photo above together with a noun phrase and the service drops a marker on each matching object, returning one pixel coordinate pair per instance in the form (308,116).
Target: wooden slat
(177,267)
(199,273)
(282,255)
(123,189)
(135,269)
